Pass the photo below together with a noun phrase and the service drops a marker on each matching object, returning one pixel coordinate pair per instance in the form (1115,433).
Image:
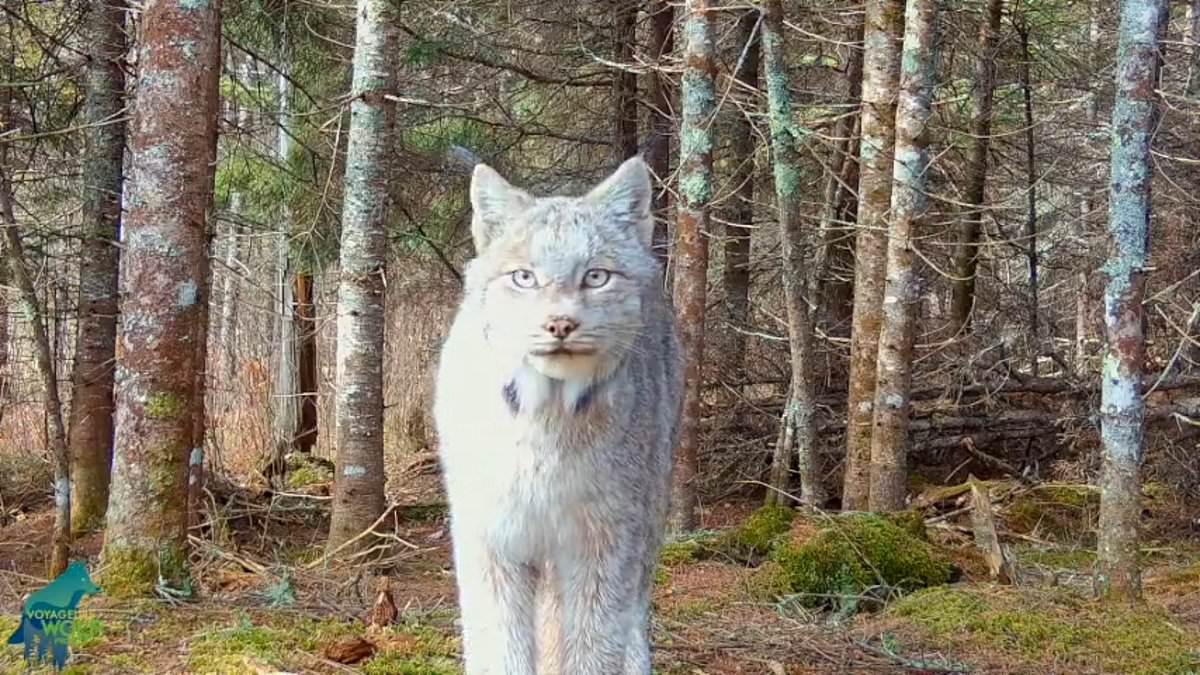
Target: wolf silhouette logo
(49,615)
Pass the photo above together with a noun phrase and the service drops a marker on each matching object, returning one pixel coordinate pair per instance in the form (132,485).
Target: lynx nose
(561,326)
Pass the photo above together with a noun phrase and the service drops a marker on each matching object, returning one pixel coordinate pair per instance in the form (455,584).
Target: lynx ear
(624,197)
(494,203)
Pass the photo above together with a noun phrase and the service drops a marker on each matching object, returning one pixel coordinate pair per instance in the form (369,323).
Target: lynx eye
(595,278)
(524,279)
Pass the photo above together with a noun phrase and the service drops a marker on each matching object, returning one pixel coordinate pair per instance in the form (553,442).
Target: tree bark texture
(835,290)
(881,70)
(31,307)
(698,95)
(736,273)
(1031,181)
(358,497)
(624,86)
(901,295)
(1121,407)
(163,277)
(966,254)
(799,427)
(305,319)
(658,139)
(91,421)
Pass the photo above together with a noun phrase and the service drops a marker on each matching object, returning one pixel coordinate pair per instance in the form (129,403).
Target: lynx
(557,401)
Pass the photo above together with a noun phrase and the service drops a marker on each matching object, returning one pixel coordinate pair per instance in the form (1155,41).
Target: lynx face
(560,280)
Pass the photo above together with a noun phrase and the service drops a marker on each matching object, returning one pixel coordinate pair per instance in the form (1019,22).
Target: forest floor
(266,602)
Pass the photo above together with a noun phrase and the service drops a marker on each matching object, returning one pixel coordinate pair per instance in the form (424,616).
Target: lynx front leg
(496,600)
(599,614)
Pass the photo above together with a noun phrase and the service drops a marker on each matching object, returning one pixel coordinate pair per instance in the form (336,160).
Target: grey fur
(558,467)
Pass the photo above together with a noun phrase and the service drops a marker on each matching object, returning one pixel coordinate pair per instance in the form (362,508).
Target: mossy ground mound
(1071,633)
(848,557)
(1062,512)
(754,538)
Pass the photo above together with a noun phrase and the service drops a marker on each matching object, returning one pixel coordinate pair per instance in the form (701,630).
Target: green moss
(851,556)
(396,664)
(678,553)
(163,405)
(302,472)
(1055,627)
(86,632)
(131,572)
(755,537)
(911,521)
(1064,512)
(1066,559)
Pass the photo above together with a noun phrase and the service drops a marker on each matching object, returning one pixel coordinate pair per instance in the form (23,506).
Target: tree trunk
(358,497)
(286,395)
(624,86)
(163,272)
(881,70)
(306,337)
(691,244)
(901,297)
(227,338)
(1192,87)
(799,427)
(60,546)
(3,331)
(835,291)
(966,254)
(658,140)
(1031,181)
(736,273)
(91,421)
(1122,410)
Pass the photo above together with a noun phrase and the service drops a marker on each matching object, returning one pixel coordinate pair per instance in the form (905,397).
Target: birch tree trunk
(1121,407)
(881,70)
(736,273)
(358,498)
(658,140)
(691,243)
(625,105)
(91,421)
(901,297)
(60,546)
(798,429)
(966,253)
(286,394)
(169,200)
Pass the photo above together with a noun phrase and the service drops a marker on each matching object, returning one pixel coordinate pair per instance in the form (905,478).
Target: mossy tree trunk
(32,308)
(163,279)
(91,423)
(738,228)
(901,297)
(358,498)
(3,331)
(966,253)
(658,140)
(881,70)
(698,94)
(798,431)
(1134,117)
(624,86)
